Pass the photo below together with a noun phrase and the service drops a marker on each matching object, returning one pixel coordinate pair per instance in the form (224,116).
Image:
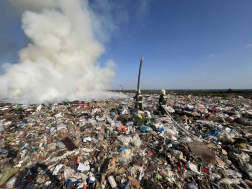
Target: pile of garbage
(203,142)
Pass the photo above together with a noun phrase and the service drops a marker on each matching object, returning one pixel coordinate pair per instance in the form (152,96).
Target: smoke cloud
(60,63)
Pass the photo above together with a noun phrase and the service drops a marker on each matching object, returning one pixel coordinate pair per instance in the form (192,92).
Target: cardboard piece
(134,182)
(201,149)
(69,144)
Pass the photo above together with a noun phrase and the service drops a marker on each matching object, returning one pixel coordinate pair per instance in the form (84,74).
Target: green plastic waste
(148,121)
(158,176)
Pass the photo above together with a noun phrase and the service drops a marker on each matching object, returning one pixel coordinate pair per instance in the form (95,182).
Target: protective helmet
(139,91)
(162,91)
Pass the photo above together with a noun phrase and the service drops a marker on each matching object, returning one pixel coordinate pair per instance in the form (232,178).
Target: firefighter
(140,100)
(162,102)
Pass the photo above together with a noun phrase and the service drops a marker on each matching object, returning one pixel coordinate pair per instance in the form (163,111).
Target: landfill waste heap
(203,143)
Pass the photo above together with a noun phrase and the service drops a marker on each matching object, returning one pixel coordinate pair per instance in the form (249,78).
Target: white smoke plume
(61,62)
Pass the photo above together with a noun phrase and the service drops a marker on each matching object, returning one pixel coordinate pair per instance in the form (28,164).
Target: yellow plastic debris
(8,174)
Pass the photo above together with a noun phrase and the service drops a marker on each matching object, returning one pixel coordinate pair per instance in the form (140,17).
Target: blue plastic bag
(112,114)
(191,185)
(145,129)
(161,129)
(212,133)
(123,148)
(3,151)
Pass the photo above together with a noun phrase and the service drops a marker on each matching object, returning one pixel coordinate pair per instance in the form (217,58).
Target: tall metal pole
(141,61)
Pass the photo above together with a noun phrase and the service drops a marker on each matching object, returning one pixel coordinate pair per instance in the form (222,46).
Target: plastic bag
(60,144)
(229,181)
(191,185)
(148,114)
(126,154)
(110,121)
(192,167)
(248,169)
(61,126)
(170,130)
(177,154)
(39,108)
(124,139)
(11,182)
(170,109)
(123,148)
(186,139)
(87,139)
(145,129)
(136,141)
(124,112)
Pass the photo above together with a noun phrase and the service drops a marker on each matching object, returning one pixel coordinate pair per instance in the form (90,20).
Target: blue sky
(186,44)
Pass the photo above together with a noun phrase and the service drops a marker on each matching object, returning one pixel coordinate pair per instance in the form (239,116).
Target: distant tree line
(213,93)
